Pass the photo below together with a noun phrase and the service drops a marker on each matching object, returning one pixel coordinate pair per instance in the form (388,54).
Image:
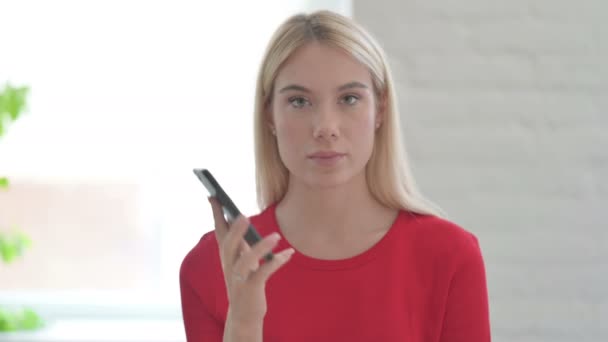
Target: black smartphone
(231,212)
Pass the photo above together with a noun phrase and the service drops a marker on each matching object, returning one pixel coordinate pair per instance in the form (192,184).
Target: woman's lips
(326,158)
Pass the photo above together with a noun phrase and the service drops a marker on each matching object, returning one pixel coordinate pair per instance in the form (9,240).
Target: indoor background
(504,108)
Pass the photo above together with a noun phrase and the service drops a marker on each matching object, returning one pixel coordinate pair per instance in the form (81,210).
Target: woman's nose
(326,124)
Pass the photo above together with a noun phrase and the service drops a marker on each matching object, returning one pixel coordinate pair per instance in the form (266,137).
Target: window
(126,98)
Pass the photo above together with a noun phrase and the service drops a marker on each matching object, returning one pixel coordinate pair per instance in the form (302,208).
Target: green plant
(15,320)
(12,245)
(12,104)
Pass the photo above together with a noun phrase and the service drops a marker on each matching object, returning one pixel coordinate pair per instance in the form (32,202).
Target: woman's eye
(298,102)
(350,99)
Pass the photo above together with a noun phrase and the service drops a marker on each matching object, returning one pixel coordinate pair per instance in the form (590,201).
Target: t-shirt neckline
(335,264)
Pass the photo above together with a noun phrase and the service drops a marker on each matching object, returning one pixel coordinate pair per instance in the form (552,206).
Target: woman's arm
(467,313)
(199,323)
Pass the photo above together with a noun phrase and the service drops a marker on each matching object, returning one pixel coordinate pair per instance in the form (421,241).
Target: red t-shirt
(423,281)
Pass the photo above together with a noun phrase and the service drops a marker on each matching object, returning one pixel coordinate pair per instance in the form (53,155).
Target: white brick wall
(505,108)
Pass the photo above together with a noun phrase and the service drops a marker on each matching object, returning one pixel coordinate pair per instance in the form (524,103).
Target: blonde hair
(388,175)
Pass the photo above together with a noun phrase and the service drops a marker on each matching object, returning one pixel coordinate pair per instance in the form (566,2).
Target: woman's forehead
(316,65)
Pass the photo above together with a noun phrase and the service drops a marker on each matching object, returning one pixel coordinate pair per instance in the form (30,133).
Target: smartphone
(231,212)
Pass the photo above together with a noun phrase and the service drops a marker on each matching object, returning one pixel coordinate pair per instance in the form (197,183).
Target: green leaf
(12,104)
(4,183)
(12,101)
(23,319)
(6,250)
(30,320)
(8,321)
(16,102)
(13,246)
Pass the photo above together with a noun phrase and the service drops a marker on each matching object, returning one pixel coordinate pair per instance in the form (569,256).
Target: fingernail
(275,237)
(286,254)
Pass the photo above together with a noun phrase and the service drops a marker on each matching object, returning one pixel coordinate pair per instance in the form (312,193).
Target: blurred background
(504,108)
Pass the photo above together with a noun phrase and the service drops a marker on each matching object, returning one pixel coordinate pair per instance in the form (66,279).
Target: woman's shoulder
(205,253)
(439,235)
(201,261)
(205,248)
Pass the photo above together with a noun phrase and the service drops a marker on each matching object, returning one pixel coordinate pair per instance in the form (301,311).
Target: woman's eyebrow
(349,85)
(294,87)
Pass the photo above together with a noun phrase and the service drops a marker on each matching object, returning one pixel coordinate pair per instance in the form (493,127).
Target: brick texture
(505,115)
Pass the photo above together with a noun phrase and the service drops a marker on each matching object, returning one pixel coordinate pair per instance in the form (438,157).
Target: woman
(360,255)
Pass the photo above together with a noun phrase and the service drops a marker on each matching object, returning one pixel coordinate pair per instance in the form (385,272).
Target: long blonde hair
(388,174)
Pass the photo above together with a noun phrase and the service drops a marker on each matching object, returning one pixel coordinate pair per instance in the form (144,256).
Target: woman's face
(325,114)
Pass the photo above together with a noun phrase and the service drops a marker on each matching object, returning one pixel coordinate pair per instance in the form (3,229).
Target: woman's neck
(331,211)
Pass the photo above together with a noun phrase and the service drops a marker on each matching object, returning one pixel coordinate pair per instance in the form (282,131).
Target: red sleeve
(196,285)
(467,313)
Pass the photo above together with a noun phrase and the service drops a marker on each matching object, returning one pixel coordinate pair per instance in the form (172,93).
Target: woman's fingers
(249,261)
(232,245)
(240,261)
(221,226)
(268,268)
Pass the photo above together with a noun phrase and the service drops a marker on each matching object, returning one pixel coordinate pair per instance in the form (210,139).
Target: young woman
(360,255)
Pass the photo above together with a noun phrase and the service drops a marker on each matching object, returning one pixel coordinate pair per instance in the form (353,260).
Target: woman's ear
(271,127)
(269,119)
(381,110)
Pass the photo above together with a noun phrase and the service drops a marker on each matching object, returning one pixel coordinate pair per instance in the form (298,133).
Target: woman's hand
(245,277)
